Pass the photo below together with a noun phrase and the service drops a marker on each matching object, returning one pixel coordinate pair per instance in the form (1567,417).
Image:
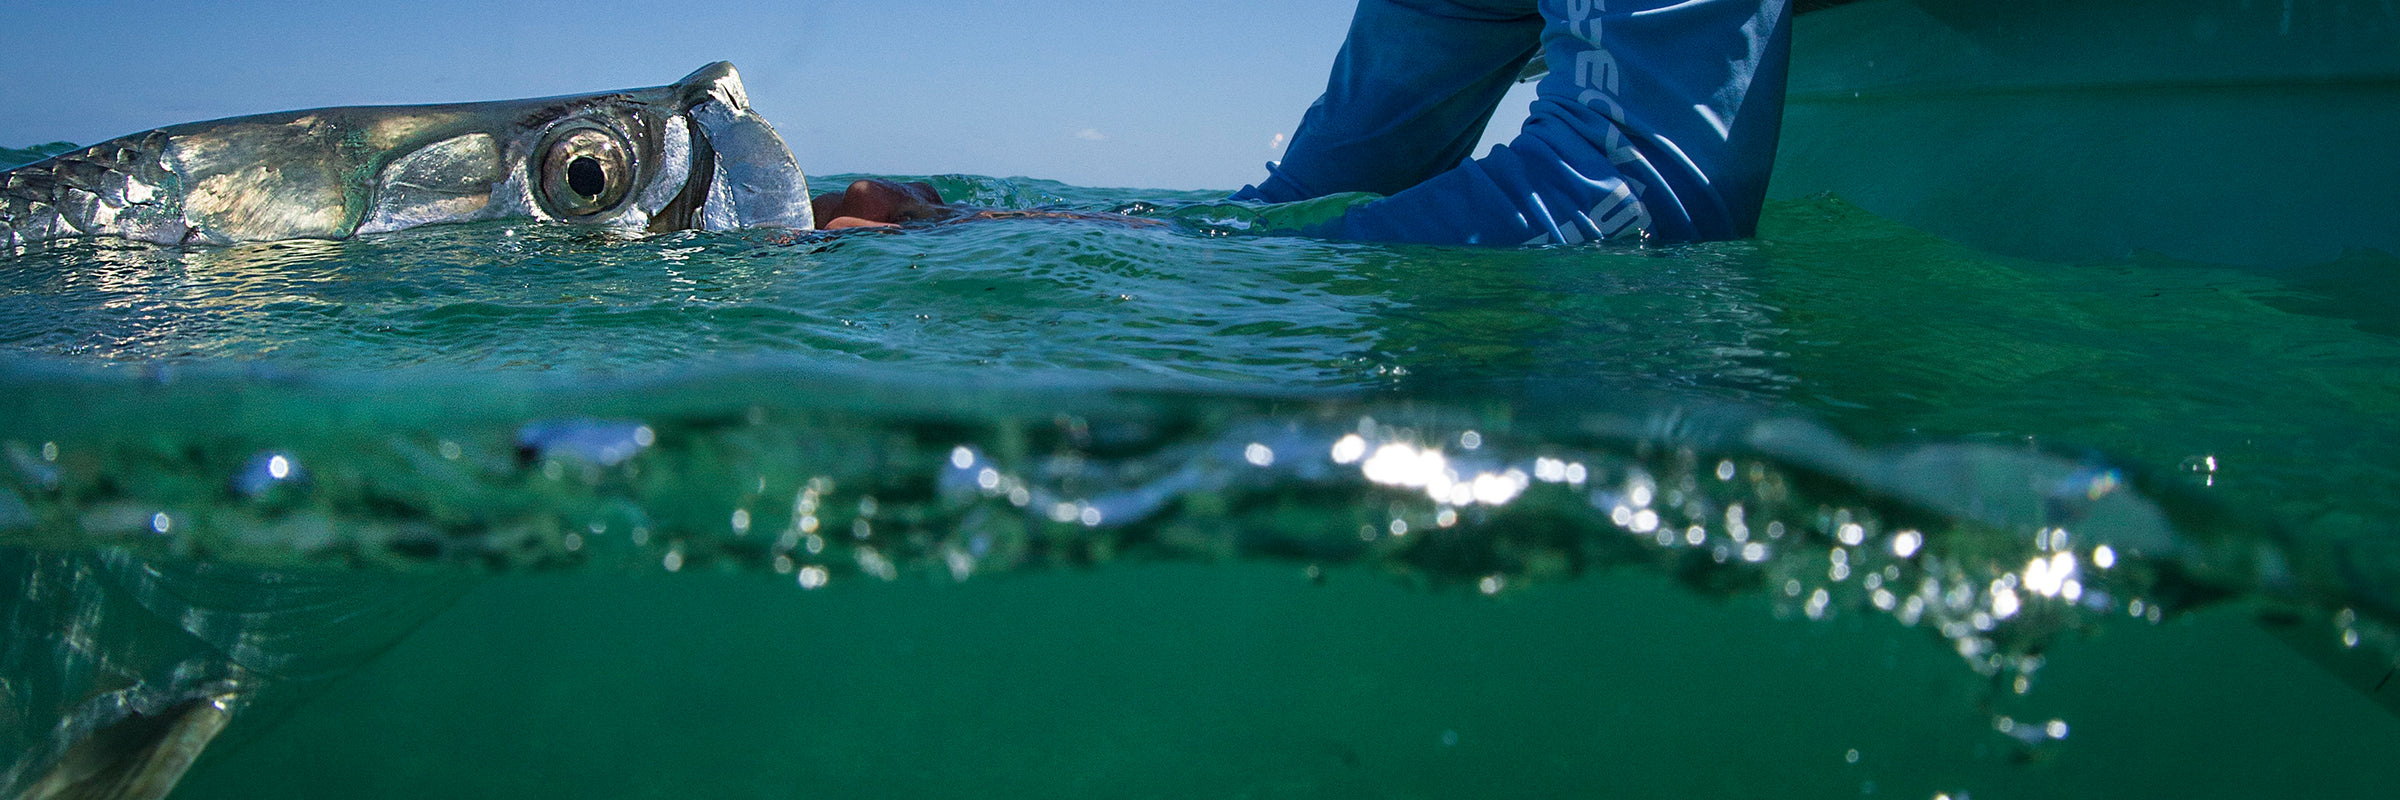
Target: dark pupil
(585,176)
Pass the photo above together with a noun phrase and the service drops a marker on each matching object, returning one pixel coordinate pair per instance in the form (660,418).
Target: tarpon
(691,155)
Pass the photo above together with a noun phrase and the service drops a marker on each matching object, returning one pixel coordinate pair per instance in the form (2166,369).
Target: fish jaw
(755,181)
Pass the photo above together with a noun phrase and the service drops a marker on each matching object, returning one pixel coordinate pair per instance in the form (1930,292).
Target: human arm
(1657,119)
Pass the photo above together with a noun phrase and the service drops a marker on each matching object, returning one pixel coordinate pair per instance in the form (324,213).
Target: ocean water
(1055,508)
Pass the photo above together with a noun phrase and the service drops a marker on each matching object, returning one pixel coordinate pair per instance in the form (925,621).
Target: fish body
(691,155)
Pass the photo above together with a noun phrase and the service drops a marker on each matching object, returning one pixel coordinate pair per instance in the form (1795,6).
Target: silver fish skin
(691,155)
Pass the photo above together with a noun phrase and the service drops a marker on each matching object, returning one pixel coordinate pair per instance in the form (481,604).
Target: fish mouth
(741,174)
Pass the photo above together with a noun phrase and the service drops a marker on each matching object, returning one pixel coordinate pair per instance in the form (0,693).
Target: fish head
(691,155)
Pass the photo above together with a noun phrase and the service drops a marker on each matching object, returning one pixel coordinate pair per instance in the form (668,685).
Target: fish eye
(585,170)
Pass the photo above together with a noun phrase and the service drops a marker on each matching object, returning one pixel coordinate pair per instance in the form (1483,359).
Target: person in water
(1657,121)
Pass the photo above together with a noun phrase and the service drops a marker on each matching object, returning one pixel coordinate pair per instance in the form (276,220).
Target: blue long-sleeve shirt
(1658,119)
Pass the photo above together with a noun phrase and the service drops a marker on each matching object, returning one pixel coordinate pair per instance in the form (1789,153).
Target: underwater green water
(1073,509)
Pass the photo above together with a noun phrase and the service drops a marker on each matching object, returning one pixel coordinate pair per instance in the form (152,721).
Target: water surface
(1032,507)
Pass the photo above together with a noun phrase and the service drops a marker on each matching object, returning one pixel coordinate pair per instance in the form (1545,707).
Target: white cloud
(1091,135)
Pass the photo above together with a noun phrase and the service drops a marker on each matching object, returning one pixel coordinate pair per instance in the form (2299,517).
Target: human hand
(873,203)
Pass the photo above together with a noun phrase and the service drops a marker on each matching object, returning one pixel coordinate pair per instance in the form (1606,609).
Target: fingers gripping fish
(691,155)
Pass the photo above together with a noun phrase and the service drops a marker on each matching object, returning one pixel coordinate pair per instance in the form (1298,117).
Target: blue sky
(1184,95)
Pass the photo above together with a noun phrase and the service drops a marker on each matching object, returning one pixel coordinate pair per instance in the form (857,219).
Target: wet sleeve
(1658,119)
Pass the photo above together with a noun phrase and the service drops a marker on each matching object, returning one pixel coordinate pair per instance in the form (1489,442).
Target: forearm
(1410,95)
(1656,122)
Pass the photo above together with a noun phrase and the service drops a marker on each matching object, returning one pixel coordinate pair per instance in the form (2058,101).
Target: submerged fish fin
(140,757)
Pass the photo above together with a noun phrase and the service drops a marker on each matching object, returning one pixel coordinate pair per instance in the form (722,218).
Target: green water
(2040,445)
(1040,508)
